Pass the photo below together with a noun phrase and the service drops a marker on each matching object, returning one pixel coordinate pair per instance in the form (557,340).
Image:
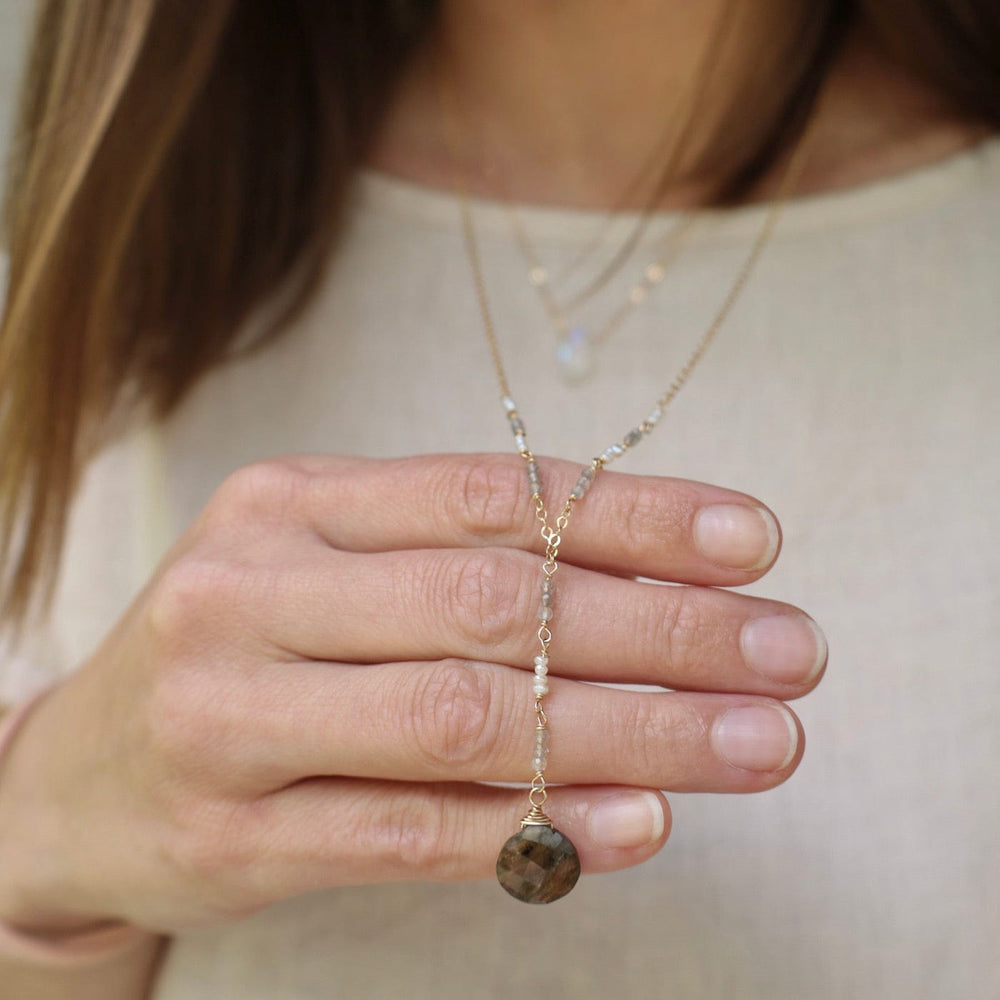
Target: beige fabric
(855,390)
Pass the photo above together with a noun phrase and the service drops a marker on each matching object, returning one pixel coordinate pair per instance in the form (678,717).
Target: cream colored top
(856,390)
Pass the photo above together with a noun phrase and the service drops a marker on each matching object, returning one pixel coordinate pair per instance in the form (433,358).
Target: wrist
(98,943)
(56,941)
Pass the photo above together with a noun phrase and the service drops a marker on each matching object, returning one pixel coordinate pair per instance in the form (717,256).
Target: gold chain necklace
(621,255)
(574,351)
(575,343)
(539,864)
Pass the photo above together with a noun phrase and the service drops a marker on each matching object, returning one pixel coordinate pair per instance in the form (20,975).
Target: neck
(562,102)
(587,92)
(582,103)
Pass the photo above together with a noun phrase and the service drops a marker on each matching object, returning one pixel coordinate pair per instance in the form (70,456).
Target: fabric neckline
(920,187)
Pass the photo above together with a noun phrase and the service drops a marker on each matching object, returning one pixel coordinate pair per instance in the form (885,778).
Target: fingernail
(626,819)
(756,737)
(736,535)
(789,649)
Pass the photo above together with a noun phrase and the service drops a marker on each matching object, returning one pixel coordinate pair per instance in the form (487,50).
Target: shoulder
(878,121)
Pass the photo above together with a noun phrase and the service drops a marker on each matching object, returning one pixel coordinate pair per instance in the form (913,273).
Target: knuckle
(211,851)
(193,593)
(675,629)
(450,718)
(661,736)
(638,732)
(201,849)
(483,593)
(209,598)
(490,498)
(188,728)
(647,518)
(638,517)
(174,719)
(260,490)
(409,835)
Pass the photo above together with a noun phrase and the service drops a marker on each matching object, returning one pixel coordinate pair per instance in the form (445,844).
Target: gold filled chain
(792,174)
(575,349)
(554,865)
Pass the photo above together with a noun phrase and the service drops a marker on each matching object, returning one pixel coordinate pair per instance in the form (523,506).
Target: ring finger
(459,721)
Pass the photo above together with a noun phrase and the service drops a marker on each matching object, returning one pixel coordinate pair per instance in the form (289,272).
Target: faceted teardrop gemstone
(538,865)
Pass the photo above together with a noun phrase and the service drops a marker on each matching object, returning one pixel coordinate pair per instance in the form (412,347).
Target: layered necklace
(539,864)
(576,342)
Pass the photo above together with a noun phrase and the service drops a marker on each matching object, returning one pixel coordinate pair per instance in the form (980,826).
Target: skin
(563,103)
(311,688)
(257,725)
(250,731)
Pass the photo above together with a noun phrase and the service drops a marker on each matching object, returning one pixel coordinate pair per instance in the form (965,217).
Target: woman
(296,680)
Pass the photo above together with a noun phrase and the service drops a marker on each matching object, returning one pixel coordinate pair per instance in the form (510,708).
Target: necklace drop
(574,355)
(538,865)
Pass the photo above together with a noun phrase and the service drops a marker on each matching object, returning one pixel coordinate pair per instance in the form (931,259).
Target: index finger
(651,526)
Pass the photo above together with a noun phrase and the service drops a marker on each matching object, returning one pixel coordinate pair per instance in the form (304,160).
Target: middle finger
(482,604)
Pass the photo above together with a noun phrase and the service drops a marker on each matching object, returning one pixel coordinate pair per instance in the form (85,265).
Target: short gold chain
(559,312)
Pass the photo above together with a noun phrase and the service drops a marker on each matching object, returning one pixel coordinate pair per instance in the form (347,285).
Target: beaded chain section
(539,864)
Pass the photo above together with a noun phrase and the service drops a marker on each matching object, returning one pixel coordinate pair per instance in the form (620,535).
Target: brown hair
(177,164)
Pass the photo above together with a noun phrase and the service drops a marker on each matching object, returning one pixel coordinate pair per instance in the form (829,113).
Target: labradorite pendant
(538,865)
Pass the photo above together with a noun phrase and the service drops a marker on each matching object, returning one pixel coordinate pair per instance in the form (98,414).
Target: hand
(323,670)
